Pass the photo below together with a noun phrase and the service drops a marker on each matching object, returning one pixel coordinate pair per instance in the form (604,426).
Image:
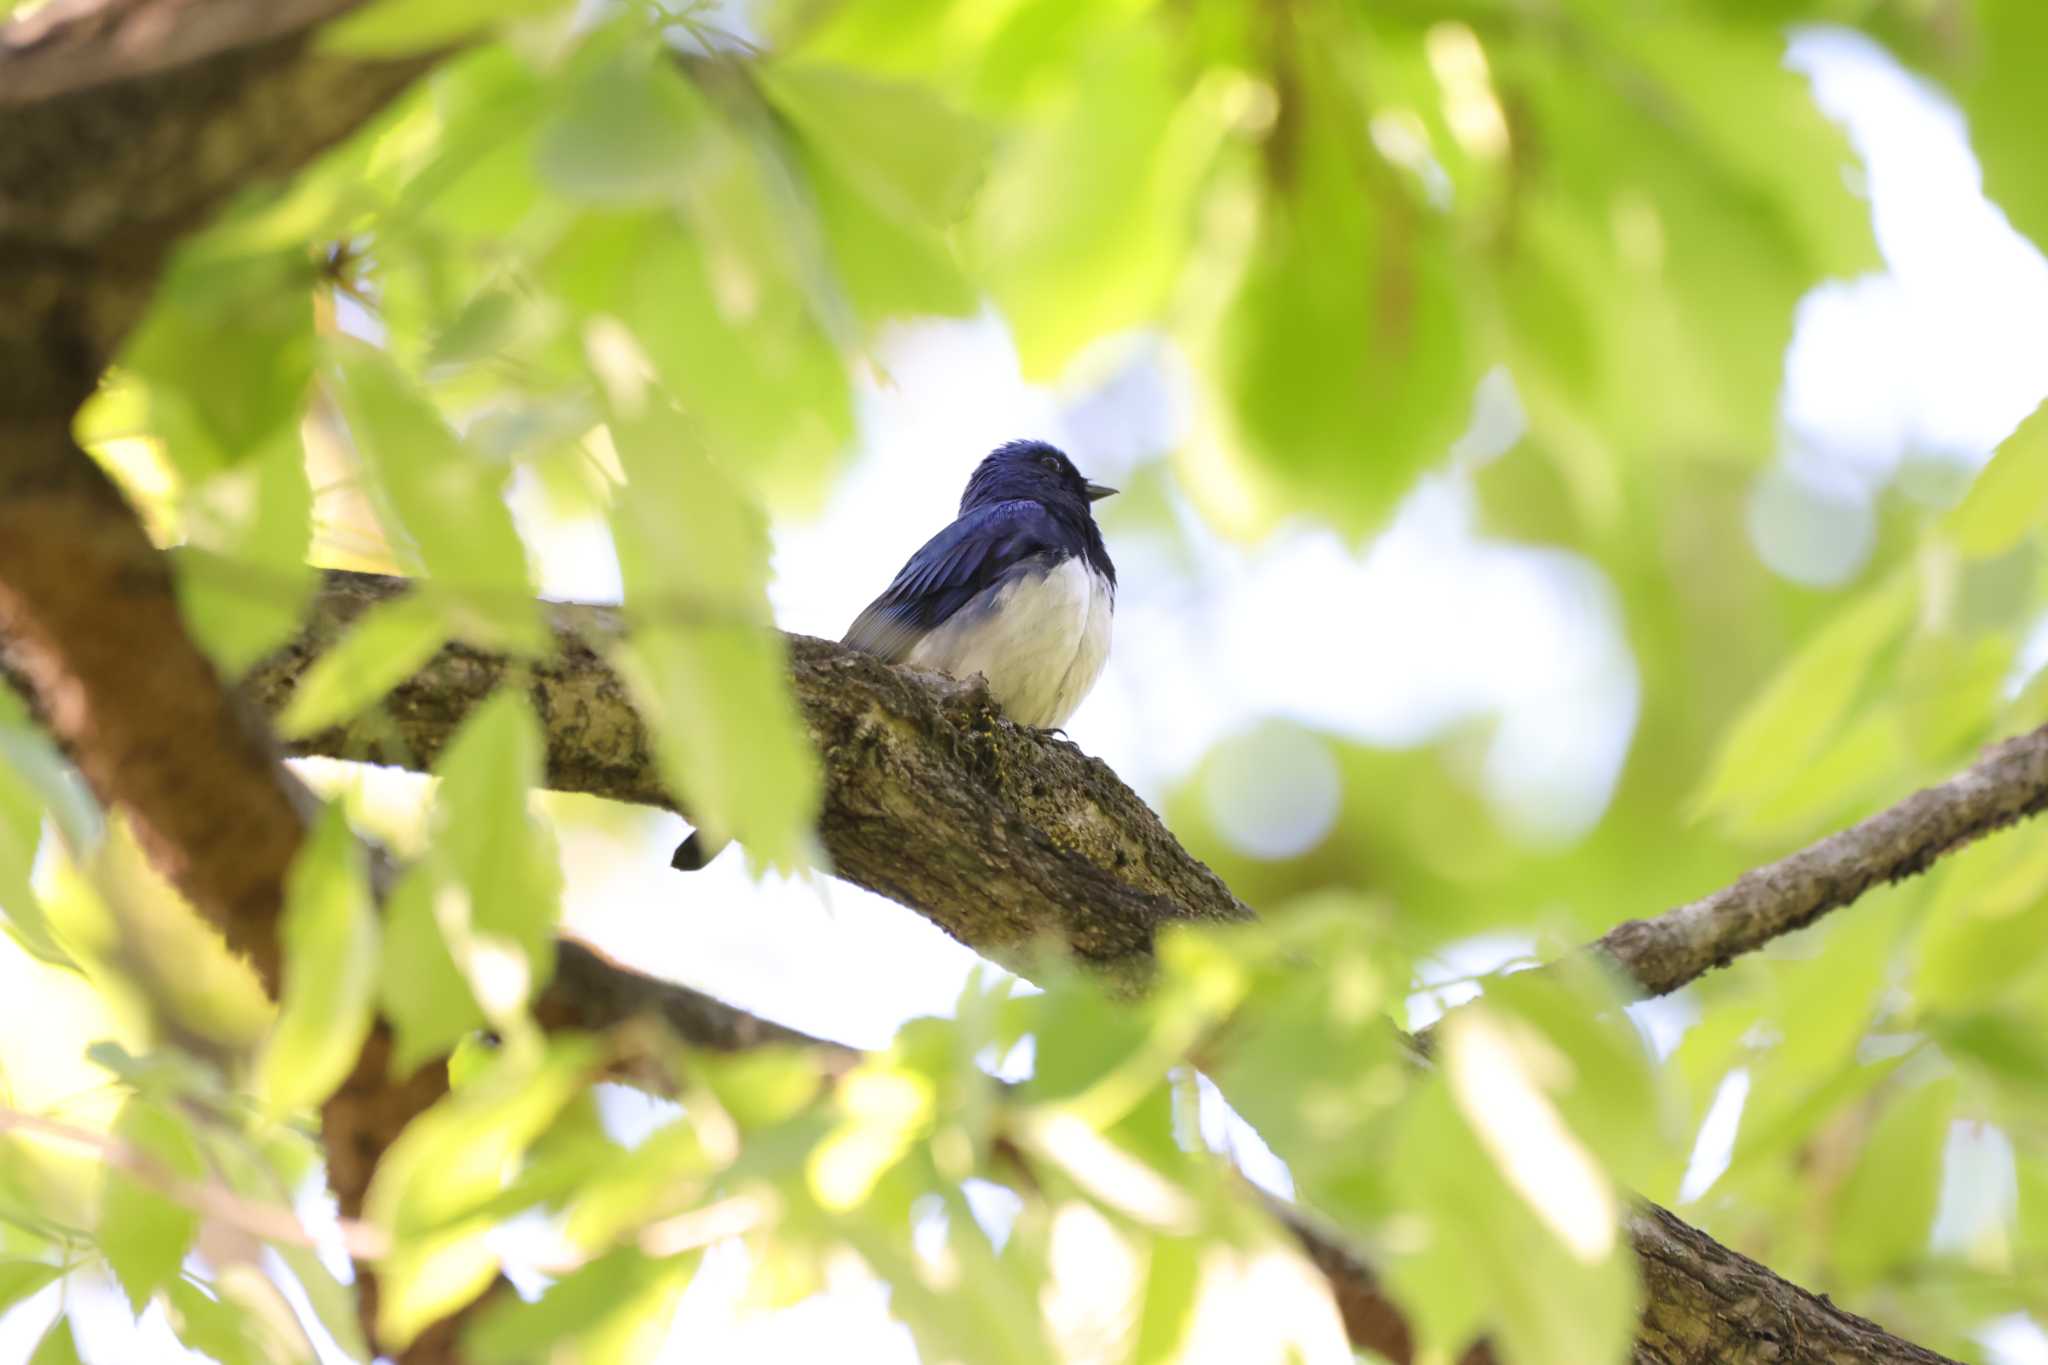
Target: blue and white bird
(1019,589)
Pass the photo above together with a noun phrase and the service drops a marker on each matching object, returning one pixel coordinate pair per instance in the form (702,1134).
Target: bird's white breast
(1040,640)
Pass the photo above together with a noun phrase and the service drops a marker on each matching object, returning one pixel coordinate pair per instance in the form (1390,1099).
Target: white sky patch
(2015,1339)
(1714,1148)
(1979,1191)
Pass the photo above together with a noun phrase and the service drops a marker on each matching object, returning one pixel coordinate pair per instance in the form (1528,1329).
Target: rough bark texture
(1004,837)
(1706,1305)
(2009,783)
(87,607)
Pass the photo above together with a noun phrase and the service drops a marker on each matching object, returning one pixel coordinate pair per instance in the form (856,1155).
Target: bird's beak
(1097,492)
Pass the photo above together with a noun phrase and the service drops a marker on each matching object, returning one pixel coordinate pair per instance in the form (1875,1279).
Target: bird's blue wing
(967,558)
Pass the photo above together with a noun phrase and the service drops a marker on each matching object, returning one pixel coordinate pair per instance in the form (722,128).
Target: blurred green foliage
(642,263)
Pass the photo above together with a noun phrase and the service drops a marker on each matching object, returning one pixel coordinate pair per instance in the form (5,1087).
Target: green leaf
(214,1327)
(21,832)
(333,1302)
(145,1236)
(738,342)
(383,647)
(2009,496)
(421,990)
(1787,723)
(226,354)
(57,1346)
(446,1167)
(1345,355)
(1085,223)
(1986,932)
(242,577)
(614,1302)
(2006,1044)
(625,133)
(1483,1261)
(2003,101)
(485,835)
(439,498)
(469,932)
(705,664)
(330,960)
(908,152)
(1887,1206)
(1173,1274)
(19,1279)
(397,28)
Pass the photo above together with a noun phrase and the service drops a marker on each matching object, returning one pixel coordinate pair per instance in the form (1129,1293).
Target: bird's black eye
(1051,462)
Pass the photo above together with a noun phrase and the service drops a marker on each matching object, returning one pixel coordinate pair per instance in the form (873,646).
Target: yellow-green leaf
(330,959)
(383,647)
(2010,494)
(1787,723)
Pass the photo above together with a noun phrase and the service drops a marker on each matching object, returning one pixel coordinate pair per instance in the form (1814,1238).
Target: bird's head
(1034,470)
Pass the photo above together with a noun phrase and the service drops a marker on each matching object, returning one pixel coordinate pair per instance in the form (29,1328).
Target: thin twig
(268,1222)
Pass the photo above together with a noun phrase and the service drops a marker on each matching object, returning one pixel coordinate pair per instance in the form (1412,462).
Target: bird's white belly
(1040,640)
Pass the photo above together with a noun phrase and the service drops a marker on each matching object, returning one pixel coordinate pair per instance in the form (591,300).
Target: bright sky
(1940,355)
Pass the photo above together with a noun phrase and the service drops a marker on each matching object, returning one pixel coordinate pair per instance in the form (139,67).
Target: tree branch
(2006,785)
(1003,837)
(1704,1303)
(916,764)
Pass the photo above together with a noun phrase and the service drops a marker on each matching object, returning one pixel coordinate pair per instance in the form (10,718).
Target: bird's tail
(697,850)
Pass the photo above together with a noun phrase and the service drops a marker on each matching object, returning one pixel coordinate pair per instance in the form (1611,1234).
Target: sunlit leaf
(19,1279)
(330,962)
(1345,353)
(625,133)
(2009,495)
(611,1308)
(57,1346)
(243,581)
(914,157)
(439,498)
(1488,1262)
(1788,722)
(23,753)
(469,934)
(447,1164)
(214,1326)
(226,355)
(1172,1276)
(1887,1207)
(144,1234)
(1087,218)
(383,647)
(707,668)
(420,989)
(2005,107)
(393,28)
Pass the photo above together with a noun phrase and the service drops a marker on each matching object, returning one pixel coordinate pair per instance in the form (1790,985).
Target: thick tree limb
(1002,837)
